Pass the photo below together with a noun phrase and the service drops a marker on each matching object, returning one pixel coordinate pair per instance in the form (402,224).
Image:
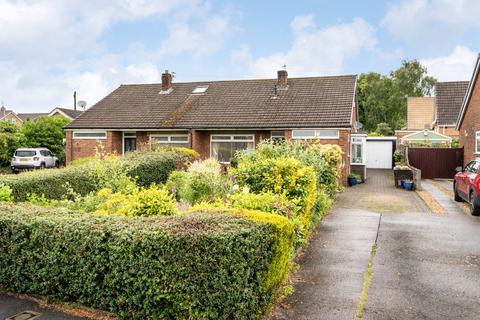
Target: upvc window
(315,134)
(357,151)
(477,142)
(169,140)
(90,135)
(278,136)
(224,147)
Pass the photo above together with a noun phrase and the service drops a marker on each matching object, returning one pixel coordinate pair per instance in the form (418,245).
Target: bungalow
(468,121)
(19,118)
(217,118)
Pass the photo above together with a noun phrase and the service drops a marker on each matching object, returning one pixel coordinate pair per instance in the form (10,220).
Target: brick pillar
(69,146)
(288,134)
(143,141)
(200,142)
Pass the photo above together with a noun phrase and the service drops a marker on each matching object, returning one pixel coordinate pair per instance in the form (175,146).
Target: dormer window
(200,89)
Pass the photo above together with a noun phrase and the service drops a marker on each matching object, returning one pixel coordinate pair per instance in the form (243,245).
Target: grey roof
(32,116)
(308,102)
(449,99)
(70,112)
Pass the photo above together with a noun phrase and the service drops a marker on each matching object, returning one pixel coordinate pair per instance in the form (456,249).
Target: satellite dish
(357,125)
(81,104)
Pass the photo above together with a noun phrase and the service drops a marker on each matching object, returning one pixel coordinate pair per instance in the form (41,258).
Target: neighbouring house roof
(32,116)
(425,136)
(420,112)
(67,113)
(308,102)
(468,95)
(448,101)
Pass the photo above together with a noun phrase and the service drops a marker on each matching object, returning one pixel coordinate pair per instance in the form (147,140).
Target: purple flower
(173,190)
(232,178)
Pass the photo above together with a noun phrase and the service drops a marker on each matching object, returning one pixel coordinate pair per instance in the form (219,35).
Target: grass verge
(367,280)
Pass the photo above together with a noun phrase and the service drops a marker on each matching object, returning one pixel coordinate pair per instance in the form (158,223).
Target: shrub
(93,175)
(285,176)
(142,202)
(203,180)
(195,266)
(5,193)
(265,202)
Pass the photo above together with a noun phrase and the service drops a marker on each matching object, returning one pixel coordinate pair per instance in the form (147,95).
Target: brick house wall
(471,124)
(83,148)
(420,112)
(447,131)
(143,141)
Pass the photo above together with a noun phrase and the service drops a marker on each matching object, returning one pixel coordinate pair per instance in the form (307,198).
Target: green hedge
(147,168)
(197,266)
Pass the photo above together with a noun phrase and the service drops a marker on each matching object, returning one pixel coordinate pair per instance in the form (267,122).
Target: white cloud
(317,50)
(427,20)
(456,66)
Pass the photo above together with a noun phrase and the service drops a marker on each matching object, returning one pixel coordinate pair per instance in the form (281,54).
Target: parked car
(466,185)
(33,158)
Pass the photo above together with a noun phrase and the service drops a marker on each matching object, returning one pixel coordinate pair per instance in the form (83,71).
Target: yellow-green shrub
(145,202)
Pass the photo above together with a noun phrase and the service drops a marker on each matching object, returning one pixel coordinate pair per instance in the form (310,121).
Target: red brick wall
(200,141)
(143,140)
(471,124)
(82,148)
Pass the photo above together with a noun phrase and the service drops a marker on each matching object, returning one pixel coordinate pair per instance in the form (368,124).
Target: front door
(129,144)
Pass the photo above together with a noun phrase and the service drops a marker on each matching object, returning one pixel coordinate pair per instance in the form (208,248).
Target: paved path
(427,266)
(10,306)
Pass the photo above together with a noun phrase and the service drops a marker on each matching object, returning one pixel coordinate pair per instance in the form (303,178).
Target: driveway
(426,266)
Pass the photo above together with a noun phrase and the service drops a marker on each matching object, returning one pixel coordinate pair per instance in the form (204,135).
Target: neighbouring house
(218,118)
(420,116)
(426,137)
(19,118)
(468,120)
(448,102)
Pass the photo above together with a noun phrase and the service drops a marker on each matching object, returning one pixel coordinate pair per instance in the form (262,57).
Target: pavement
(427,266)
(11,306)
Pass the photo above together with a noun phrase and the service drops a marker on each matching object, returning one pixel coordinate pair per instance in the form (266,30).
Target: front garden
(163,235)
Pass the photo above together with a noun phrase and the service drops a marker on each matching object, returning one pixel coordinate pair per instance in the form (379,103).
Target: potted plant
(352,179)
(408,184)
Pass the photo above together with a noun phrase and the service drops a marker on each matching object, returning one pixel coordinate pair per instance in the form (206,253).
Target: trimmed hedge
(205,265)
(147,168)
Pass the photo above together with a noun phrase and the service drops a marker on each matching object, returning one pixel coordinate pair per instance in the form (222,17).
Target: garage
(379,152)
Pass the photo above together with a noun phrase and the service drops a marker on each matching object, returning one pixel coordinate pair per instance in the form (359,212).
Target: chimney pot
(282,79)
(166,81)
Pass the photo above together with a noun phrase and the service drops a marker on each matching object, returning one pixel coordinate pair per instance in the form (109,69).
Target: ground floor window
(357,151)
(129,141)
(278,136)
(96,135)
(169,140)
(306,134)
(477,142)
(224,147)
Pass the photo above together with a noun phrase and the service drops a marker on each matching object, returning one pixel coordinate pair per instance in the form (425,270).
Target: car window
(25,153)
(43,153)
(475,165)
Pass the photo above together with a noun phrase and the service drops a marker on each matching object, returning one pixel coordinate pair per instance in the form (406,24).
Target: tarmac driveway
(426,266)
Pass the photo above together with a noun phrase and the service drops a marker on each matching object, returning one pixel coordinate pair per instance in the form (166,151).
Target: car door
(462,179)
(470,175)
(48,159)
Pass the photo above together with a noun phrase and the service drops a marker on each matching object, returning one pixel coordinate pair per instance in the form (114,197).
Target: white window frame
(230,138)
(169,139)
(477,144)
(315,134)
(362,142)
(103,134)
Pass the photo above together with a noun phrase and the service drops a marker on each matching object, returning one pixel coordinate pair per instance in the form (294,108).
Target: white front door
(379,154)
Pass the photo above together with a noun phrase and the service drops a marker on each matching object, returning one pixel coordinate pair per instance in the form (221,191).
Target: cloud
(431,20)
(456,66)
(315,50)
(52,47)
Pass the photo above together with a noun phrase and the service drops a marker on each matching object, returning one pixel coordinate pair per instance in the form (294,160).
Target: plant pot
(408,185)
(402,184)
(358,181)
(352,182)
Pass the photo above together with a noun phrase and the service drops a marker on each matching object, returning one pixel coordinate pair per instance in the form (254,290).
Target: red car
(466,185)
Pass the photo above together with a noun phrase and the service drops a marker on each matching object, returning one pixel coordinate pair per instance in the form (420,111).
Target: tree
(8,142)
(383,129)
(383,99)
(45,132)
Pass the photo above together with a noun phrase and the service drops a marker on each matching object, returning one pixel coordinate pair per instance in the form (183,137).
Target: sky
(50,48)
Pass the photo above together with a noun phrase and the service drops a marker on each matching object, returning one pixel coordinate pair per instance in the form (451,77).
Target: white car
(33,158)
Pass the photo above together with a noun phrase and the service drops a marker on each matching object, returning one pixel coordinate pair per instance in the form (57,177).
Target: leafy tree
(383,98)
(8,142)
(45,132)
(383,129)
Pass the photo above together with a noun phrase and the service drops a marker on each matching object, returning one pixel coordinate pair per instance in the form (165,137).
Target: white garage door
(379,154)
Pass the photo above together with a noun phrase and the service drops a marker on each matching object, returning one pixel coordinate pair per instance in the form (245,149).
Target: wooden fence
(436,162)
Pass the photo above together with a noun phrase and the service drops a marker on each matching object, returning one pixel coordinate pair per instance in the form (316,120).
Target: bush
(202,181)
(93,175)
(265,202)
(142,202)
(5,193)
(196,266)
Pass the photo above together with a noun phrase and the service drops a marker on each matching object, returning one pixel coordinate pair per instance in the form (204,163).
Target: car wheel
(42,166)
(474,207)
(57,164)
(456,196)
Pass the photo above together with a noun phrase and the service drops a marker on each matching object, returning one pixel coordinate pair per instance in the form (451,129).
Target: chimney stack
(282,79)
(166,81)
